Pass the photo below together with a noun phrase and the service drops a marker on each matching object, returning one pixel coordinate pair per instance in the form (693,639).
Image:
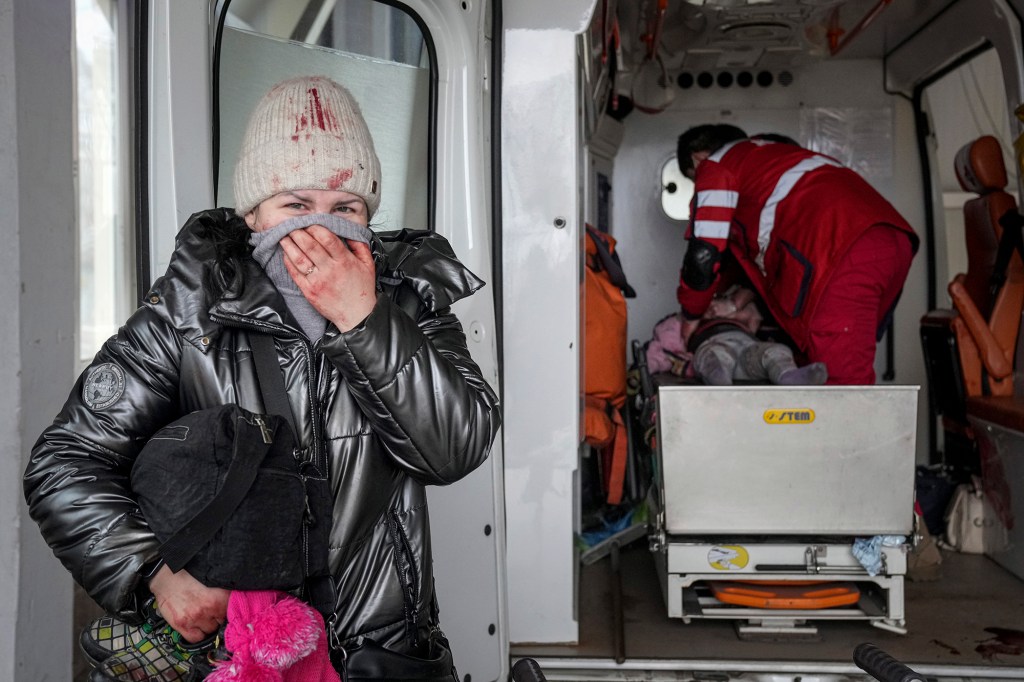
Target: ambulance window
(380,52)
(104,233)
(965,104)
(676,191)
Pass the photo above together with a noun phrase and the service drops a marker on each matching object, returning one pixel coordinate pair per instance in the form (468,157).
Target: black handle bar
(526,670)
(882,666)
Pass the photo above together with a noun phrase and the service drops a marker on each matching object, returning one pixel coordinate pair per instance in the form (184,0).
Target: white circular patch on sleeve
(104,385)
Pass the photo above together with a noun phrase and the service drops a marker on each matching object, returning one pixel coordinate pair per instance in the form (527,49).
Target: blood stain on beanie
(323,120)
(314,98)
(306,133)
(340,178)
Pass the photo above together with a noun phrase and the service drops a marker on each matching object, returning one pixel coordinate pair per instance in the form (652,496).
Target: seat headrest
(979,166)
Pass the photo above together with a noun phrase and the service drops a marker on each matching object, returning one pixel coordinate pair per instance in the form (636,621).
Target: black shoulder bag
(430,661)
(264,513)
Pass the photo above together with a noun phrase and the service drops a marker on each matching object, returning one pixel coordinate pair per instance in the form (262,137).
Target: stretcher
(763,493)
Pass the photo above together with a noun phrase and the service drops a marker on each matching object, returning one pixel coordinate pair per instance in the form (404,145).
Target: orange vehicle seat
(969,350)
(988,338)
(980,170)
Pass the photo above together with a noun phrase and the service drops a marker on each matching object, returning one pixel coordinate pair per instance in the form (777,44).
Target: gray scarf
(268,253)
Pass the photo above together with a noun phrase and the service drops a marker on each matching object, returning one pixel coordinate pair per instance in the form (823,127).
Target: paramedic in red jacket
(826,252)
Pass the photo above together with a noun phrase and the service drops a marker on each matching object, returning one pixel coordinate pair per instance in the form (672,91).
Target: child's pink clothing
(274,637)
(667,342)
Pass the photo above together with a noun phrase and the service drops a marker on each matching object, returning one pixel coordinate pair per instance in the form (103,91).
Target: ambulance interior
(894,90)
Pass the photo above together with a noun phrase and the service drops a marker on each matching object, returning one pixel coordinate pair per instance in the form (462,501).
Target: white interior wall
(651,245)
(37,270)
(967,103)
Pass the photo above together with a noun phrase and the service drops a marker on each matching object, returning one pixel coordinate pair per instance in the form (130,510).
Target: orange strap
(598,428)
(620,451)
(997,360)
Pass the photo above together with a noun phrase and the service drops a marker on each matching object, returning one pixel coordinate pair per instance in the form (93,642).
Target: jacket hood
(423,261)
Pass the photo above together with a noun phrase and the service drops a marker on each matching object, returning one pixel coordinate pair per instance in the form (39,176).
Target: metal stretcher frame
(773,483)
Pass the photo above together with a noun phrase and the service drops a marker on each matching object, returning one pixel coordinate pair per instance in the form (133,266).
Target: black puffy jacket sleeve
(77,479)
(408,366)
(416,383)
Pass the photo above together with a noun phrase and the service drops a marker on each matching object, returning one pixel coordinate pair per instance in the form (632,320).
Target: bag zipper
(264,431)
(319,455)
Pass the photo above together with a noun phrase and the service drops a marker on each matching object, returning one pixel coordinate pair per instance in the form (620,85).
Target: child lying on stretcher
(724,347)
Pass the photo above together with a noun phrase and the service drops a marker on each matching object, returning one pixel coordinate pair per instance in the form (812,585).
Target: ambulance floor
(971,617)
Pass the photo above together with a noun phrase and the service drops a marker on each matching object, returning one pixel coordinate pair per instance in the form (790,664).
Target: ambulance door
(419,71)
(542,238)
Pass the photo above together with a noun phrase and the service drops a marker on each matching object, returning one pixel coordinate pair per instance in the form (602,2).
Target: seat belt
(620,453)
(1012,223)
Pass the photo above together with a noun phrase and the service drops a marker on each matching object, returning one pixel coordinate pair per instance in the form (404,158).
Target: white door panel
(180,141)
(542,166)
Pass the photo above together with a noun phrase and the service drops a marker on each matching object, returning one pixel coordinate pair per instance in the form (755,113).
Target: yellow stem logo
(800,415)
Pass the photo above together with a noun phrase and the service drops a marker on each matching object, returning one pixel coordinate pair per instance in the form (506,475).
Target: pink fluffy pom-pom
(273,637)
(243,671)
(284,633)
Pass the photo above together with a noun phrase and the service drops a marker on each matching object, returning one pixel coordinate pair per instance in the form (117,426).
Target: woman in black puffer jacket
(378,375)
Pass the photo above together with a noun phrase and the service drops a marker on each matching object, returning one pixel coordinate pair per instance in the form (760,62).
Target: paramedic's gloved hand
(191,608)
(337,276)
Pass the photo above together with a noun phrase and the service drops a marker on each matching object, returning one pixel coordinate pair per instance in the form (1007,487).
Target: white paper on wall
(860,139)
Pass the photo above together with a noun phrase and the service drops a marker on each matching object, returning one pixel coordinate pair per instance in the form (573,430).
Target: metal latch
(657,539)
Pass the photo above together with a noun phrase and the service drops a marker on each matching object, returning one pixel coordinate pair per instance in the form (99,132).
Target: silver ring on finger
(310,271)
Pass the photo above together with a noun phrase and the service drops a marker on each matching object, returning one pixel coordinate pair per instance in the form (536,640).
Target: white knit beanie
(306,133)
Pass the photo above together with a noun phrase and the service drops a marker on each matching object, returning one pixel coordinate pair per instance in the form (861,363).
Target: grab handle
(882,666)
(526,670)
